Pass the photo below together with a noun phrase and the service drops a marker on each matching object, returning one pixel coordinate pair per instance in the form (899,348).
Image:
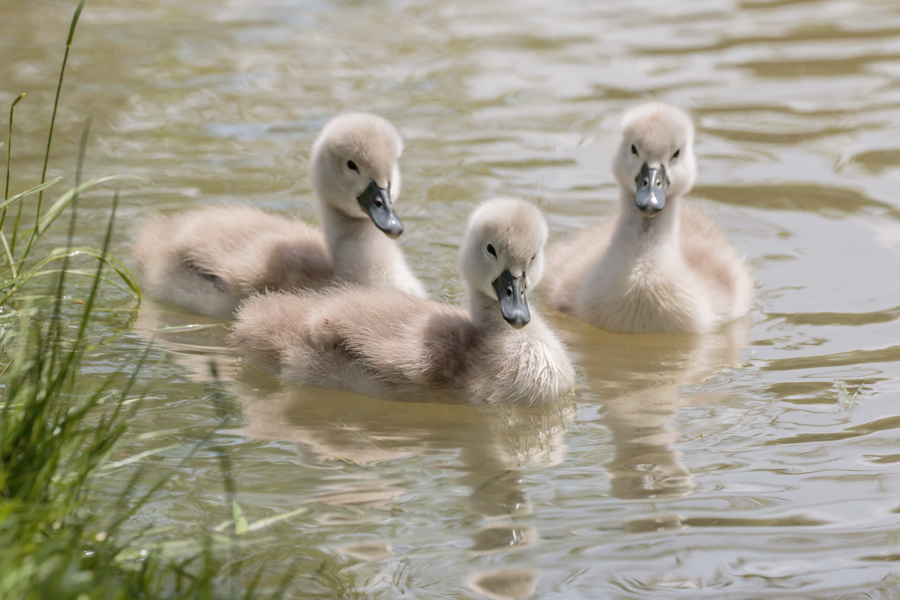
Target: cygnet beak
(511,294)
(376,202)
(651,190)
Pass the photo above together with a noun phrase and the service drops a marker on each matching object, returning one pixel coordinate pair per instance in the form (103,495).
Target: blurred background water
(762,461)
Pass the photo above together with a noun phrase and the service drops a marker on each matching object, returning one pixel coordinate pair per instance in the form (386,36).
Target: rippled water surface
(760,462)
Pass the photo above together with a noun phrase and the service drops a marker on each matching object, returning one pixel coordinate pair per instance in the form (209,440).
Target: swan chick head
(655,159)
(503,254)
(354,168)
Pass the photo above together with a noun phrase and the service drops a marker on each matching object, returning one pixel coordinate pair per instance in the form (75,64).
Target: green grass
(58,537)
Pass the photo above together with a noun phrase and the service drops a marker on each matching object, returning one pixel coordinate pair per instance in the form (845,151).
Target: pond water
(759,462)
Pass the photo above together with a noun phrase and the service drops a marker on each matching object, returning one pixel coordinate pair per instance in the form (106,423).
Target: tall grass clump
(58,538)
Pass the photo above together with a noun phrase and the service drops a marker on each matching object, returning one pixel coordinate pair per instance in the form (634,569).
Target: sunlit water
(760,462)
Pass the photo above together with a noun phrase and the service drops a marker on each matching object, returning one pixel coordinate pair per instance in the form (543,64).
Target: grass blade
(9,151)
(10,261)
(138,457)
(57,208)
(28,192)
(38,269)
(262,523)
(62,73)
(240,521)
(8,164)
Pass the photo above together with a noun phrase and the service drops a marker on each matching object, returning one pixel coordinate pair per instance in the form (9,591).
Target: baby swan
(393,346)
(208,260)
(662,266)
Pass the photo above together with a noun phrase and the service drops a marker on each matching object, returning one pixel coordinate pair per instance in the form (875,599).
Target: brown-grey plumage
(387,344)
(661,266)
(208,260)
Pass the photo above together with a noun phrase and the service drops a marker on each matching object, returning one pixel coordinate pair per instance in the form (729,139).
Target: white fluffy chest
(651,295)
(525,371)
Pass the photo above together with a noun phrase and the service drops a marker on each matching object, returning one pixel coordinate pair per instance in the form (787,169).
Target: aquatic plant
(58,538)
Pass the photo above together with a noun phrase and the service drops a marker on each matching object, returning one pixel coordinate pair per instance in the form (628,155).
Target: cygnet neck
(658,233)
(485,313)
(357,247)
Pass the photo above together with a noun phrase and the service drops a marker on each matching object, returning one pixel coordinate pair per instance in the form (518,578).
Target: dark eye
(677,152)
(491,250)
(533,257)
(352,166)
(634,150)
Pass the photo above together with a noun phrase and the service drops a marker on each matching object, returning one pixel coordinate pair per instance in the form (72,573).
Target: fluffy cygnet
(208,260)
(390,345)
(662,266)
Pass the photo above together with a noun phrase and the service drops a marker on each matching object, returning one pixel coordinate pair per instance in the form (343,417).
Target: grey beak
(376,201)
(651,190)
(511,295)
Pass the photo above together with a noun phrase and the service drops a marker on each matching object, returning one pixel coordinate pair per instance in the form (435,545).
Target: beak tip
(518,320)
(394,230)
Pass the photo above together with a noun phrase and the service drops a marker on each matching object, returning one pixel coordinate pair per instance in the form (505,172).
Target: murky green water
(762,462)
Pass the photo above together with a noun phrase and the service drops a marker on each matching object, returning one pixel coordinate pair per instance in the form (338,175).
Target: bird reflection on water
(495,445)
(638,383)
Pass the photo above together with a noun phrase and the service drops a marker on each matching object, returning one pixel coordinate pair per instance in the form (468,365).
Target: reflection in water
(198,342)
(367,493)
(367,551)
(638,379)
(494,445)
(503,538)
(654,523)
(505,584)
